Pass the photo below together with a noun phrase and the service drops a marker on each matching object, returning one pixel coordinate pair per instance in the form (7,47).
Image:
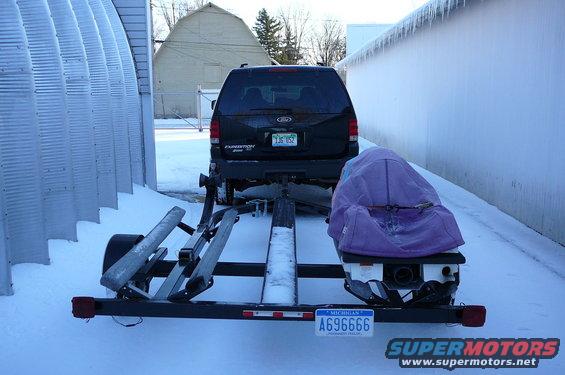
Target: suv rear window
(297,91)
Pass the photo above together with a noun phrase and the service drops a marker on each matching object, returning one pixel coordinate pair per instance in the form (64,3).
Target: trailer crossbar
(226,310)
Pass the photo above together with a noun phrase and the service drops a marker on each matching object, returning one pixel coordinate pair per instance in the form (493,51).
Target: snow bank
(182,154)
(426,14)
(280,285)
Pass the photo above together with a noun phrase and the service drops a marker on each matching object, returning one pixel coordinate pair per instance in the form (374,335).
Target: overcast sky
(345,11)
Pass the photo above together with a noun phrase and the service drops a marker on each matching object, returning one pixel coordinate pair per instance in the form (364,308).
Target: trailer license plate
(343,322)
(284,139)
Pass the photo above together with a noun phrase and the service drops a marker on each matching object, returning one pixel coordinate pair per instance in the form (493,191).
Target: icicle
(409,25)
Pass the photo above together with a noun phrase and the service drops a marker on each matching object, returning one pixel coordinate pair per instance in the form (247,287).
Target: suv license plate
(343,322)
(284,140)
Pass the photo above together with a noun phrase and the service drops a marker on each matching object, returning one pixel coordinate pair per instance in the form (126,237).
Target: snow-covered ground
(517,273)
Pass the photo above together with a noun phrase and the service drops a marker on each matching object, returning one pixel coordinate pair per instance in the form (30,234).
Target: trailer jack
(131,262)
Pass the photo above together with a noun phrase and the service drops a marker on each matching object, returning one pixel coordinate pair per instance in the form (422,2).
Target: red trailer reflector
(84,307)
(278,314)
(247,314)
(308,315)
(473,316)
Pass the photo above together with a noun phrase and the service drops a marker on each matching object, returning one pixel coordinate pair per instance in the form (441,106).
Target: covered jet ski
(382,207)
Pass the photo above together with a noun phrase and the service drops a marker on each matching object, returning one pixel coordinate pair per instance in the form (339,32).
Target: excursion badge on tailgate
(239,148)
(344,322)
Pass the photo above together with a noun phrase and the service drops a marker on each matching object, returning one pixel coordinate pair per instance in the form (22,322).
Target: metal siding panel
(141,57)
(143,81)
(132,95)
(149,139)
(139,50)
(128,3)
(143,52)
(137,27)
(79,109)
(101,107)
(142,66)
(5,271)
(135,11)
(138,42)
(118,93)
(128,18)
(19,145)
(57,181)
(135,34)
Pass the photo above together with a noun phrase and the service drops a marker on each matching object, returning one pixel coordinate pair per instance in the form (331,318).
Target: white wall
(478,98)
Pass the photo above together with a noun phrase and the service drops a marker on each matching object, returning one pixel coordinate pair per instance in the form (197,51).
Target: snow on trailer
(280,278)
(129,277)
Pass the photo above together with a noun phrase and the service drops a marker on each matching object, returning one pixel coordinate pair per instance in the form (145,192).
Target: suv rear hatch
(284,113)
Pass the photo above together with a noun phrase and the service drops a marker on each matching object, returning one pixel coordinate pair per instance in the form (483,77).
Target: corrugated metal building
(473,91)
(76,118)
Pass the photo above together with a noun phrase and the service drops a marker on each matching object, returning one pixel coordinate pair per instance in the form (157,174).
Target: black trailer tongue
(132,262)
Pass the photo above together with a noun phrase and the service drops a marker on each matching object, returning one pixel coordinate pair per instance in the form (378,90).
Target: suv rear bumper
(272,169)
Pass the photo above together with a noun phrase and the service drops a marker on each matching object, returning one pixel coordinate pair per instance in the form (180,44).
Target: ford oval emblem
(284,119)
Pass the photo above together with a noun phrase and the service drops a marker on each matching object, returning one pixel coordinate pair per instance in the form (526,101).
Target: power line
(207,43)
(182,53)
(225,49)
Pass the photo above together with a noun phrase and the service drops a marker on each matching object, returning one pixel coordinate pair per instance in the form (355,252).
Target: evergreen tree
(267,29)
(289,51)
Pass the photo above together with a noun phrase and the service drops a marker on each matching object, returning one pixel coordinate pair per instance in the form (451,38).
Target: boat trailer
(132,261)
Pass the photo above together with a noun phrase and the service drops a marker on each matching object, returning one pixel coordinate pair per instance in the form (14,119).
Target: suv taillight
(353,130)
(214,131)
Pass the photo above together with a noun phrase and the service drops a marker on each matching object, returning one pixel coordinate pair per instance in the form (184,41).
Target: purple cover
(362,223)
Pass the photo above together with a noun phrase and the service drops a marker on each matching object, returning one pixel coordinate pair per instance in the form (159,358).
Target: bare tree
(295,23)
(327,44)
(173,10)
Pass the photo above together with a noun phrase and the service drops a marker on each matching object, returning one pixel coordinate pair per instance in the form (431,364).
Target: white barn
(201,50)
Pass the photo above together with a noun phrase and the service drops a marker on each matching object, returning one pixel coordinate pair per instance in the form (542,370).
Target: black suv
(275,121)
